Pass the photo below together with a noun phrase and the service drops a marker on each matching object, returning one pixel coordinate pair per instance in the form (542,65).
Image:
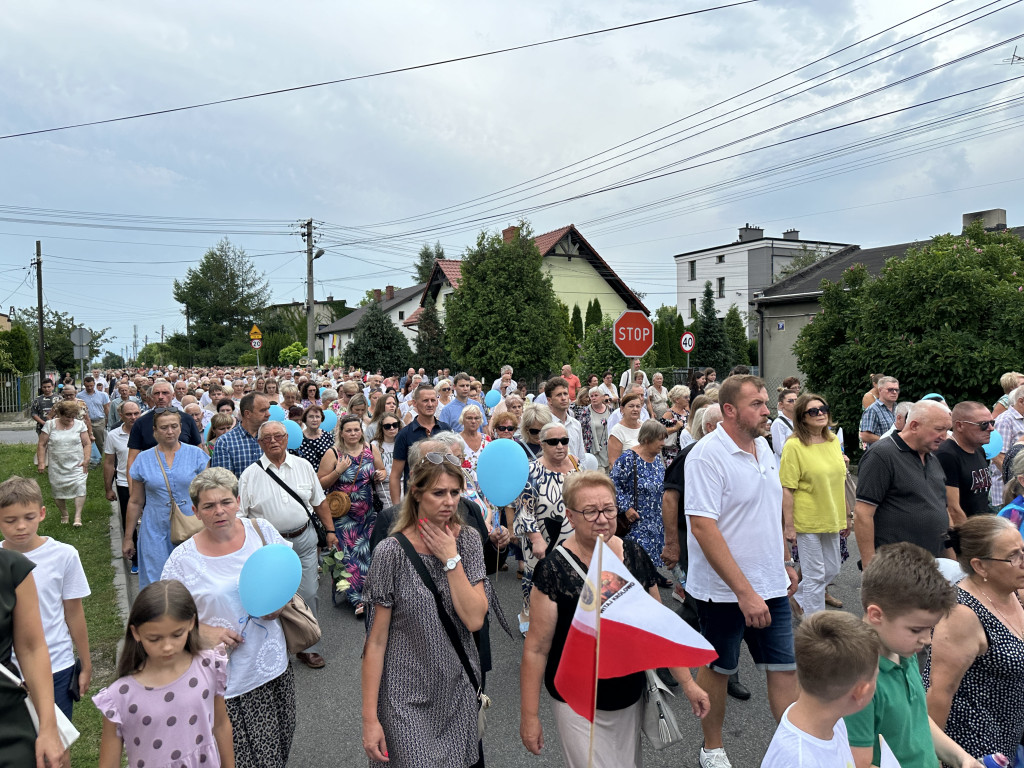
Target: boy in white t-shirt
(837,665)
(60,584)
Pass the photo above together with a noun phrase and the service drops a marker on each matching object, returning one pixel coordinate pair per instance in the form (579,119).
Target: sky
(654,139)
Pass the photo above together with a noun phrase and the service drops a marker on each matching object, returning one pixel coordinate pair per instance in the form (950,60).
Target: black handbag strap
(291,492)
(446,620)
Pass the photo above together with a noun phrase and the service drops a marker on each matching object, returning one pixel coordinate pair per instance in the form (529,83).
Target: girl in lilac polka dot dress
(166,709)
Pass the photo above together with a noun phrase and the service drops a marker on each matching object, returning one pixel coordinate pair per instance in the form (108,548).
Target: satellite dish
(303,361)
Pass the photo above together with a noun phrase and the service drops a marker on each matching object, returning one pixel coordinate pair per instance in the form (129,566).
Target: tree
(565,350)
(6,362)
(19,347)
(377,344)
(594,315)
(951,313)
(665,343)
(151,355)
(425,261)
(222,298)
(431,350)
(805,258)
(291,354)
(736,332)
(679,328)
(112,360)
(713,349)
(57,328)
(577,323)
(488,325)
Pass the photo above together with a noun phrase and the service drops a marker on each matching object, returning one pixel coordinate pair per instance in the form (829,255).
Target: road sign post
(82,339)
(256,340)
(633,333)
(687,342)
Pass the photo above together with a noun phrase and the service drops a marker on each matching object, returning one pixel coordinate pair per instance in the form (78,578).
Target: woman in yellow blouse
(814,511)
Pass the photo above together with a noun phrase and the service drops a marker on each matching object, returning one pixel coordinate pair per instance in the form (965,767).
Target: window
(721,287)
(401,314)
(693,270)
(720,259)
(693,305)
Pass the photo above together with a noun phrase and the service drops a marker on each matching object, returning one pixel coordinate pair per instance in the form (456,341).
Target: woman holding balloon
(260,693)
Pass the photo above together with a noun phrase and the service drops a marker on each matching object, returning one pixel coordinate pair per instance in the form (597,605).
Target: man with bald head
(901,487)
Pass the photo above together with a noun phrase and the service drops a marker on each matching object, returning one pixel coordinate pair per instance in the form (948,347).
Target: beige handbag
(300,627)
(183,527)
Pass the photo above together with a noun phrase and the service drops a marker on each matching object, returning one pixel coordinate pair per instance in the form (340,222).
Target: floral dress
(354,529)
(472,457)
(640,484)
(671,448)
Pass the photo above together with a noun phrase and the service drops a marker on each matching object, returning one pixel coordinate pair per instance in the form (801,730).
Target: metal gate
(17,392)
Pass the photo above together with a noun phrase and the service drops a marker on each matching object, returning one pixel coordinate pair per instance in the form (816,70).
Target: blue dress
(154,545)
(640,484)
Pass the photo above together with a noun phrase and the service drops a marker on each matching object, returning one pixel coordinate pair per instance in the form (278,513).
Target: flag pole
(597,650)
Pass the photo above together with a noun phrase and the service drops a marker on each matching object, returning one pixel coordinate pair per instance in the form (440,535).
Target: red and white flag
(636,633)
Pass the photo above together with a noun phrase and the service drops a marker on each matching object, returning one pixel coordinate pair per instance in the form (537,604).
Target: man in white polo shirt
(740,574)
(261,495)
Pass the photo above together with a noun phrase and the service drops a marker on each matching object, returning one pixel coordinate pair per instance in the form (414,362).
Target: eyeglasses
(533,431)
(982,424)
(1017,560)
(818,411)
(437,458)
(506,428)
(276,437)
(556,441)
(892,389)
(391,425)
(165,409)
(590,515)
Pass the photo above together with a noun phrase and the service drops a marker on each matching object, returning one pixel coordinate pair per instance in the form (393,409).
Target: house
(5,320)
(738,270)
(398,304)
(578,275)
(324,312)
(782,309)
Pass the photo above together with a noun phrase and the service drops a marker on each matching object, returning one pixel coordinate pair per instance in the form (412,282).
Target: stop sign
(633,333)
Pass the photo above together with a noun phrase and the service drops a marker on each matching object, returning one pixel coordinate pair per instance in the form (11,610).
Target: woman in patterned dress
(64,450)
(473,440)
(418,705)
(975,668)
(351,467)
(315,442)
(540,522)
(639,477)
(674,420)
(384,442)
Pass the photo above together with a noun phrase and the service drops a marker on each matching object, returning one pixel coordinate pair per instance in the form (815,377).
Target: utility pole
(135,342)
(161,345)
(310,306)
(39,305)
(188,335)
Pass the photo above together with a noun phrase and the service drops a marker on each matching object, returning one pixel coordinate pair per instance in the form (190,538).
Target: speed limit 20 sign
(256,343)
(687,342)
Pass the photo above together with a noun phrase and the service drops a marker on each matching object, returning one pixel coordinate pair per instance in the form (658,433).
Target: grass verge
(92,541)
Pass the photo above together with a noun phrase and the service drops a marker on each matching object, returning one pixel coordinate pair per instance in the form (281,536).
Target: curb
(16,426)
(123,583)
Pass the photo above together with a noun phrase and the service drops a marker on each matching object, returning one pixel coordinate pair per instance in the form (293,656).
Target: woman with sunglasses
(444,394)
(310,395)
(384,441)
(533,419)
(383,405)
(591,511)
(352,467)
(975,667)
(540,521)
(814,513)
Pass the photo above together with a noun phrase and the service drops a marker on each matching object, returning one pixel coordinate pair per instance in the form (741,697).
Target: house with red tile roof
(578,275)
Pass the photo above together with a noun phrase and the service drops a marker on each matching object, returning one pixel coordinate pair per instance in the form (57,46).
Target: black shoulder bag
(314,519)
(483,701)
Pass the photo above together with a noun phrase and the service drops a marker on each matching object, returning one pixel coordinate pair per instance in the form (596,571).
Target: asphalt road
(329,709)
(15,436)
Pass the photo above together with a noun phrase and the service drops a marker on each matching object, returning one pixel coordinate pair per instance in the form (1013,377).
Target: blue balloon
(994,447)
(492,398)
(206,432)
(294,434)
(501,471)
(277,413)
(330,421)
(322,390)
(269,579)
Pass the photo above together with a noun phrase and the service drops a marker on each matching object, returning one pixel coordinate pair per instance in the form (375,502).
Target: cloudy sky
(719,108)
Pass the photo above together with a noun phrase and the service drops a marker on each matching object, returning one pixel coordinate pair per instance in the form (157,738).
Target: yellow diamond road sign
(255,333)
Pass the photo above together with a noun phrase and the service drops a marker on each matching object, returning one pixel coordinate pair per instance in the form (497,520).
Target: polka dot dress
(171,725)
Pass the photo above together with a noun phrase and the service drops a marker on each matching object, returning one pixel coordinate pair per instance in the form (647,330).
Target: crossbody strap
(170,493)
(446,620)
(289,489)
(571,561)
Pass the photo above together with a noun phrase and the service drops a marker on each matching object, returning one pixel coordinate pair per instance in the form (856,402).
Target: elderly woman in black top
(590,506)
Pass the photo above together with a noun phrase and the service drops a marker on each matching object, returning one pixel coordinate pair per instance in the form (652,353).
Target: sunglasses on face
(533,431)
(553,441)
(506,428)
(986,425)
(391,425)
(437,458)
(822,411)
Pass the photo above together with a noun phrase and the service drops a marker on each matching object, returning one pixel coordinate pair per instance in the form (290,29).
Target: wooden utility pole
(39,305)
(310,336)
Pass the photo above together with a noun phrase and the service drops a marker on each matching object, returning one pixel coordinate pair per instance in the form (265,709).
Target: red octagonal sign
(633,333)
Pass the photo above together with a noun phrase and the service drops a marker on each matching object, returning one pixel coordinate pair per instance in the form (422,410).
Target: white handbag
(68,733)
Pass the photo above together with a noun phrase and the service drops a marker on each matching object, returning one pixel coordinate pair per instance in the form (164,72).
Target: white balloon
(589,461)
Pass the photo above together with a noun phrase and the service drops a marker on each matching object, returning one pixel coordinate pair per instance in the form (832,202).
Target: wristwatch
(790,563)
(452,562)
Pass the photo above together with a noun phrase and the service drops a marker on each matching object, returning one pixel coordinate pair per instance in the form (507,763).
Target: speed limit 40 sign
(687,342)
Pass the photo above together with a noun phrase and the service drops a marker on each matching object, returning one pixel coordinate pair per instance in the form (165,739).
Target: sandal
(360,610)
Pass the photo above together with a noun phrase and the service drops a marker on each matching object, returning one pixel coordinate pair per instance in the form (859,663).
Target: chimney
(509,234)
(330,298)
(389,292)
(376,295)
(991,220)
(748,233)
(791,234)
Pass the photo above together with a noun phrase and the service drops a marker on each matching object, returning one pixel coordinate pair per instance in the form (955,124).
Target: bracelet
(789,563)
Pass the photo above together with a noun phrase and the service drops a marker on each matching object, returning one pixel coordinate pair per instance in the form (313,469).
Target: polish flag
(636,633)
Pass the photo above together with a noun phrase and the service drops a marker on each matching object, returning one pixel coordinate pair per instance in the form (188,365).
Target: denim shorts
(723,625)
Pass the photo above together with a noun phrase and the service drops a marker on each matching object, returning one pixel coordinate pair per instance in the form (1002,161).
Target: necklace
(1006,621)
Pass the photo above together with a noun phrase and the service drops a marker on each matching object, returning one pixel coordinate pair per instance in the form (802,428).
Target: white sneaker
(714,758)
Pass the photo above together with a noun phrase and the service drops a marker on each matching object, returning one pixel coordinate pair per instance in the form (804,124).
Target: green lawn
(101,613)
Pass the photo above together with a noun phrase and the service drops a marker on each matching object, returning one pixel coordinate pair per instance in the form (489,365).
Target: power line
(378,74)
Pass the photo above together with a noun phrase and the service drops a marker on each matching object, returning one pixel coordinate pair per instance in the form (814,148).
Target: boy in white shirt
(60,583)
(837,665)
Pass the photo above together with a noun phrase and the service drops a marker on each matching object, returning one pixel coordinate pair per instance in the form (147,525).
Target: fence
(17,392)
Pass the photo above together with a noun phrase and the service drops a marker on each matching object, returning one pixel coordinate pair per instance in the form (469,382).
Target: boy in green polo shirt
(904,596)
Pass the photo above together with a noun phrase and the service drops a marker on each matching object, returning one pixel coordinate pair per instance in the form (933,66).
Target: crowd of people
(373,479)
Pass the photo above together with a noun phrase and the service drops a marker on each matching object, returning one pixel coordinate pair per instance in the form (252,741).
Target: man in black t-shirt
(963,461)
